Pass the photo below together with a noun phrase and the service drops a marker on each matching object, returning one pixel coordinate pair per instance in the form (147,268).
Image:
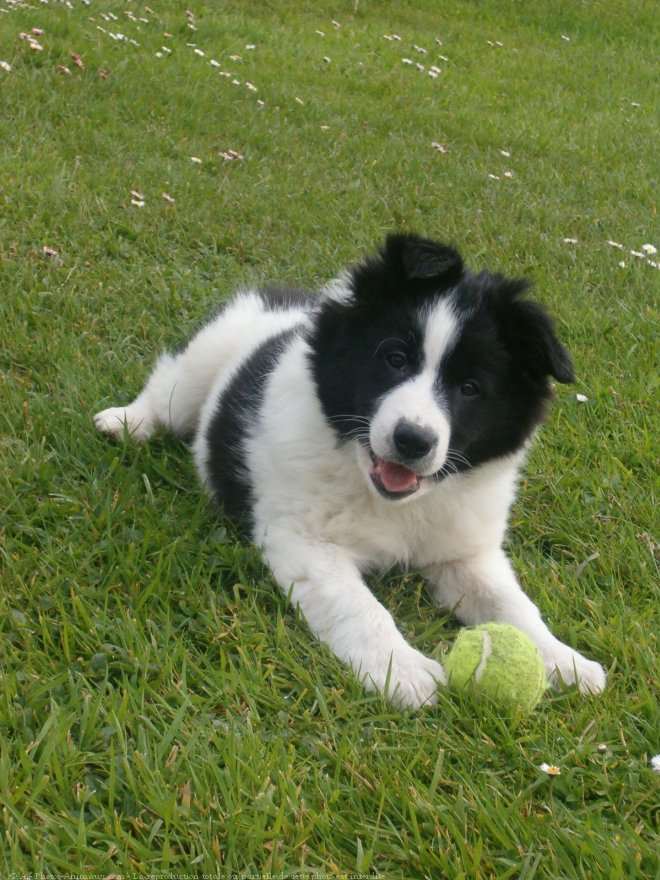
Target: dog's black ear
(406,265)
(529,333)
(421,259)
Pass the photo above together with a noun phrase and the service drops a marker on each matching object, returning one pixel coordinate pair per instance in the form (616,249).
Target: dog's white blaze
(440,332)
(413,401)
(416,400)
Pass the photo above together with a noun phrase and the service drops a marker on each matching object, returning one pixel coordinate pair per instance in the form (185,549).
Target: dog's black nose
(413,441)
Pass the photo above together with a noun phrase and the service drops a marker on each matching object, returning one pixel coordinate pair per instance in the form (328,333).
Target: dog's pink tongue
(395,477)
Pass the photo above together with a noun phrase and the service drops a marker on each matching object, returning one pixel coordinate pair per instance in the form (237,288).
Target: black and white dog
(382,422)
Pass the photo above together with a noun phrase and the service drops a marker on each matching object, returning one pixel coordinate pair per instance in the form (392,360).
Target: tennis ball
(499,661)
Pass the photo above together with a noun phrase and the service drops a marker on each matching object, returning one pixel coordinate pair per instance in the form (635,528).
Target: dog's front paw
(116,419)
(569,667)
(408,678)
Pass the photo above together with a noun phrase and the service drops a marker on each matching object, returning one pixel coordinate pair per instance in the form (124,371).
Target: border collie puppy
(382,422)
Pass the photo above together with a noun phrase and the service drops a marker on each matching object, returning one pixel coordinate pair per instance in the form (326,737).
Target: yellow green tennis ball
(499,661)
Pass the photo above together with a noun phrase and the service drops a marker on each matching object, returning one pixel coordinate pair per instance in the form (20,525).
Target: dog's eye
(469,388)
(397,360)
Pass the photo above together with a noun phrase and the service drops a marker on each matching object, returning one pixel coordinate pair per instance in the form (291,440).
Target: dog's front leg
(484,588)
(341,610)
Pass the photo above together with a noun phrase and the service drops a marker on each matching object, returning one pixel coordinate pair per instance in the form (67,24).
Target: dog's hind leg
(165,401)
(179,384)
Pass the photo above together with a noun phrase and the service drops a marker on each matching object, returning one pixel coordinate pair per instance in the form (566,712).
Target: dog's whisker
(358,434)
(350,417)
(454,456)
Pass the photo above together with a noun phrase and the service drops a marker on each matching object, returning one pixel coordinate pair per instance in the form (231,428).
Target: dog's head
(429,369)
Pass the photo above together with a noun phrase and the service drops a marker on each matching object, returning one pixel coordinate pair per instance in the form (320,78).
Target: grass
(162,710)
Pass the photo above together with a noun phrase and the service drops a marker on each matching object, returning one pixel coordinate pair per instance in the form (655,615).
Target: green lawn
(162,710)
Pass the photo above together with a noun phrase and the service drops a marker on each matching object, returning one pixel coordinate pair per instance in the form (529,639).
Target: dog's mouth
(393,480)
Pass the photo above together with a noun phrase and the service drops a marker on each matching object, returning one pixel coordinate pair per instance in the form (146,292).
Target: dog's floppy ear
(529,333)
(422,259)
(406,265)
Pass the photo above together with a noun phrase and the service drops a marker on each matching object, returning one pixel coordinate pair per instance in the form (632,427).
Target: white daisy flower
(550,769)
(649,249)
(655,763)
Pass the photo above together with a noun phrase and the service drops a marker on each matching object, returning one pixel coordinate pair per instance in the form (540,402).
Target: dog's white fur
(320,521)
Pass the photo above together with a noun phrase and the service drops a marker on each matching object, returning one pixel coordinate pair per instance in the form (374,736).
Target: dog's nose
(413,441)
